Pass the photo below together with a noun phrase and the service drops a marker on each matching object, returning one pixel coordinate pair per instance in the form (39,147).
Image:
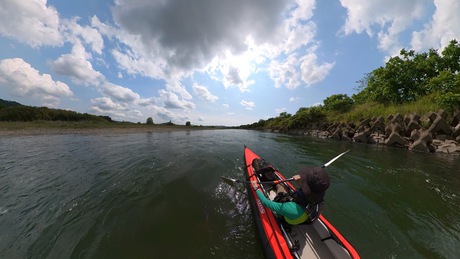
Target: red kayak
(313,240)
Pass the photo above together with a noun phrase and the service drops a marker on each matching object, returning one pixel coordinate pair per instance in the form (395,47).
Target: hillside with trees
(16,115)
(13,111)
(408,83)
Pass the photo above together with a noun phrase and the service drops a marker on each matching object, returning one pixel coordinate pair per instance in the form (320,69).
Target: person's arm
(288,209)
(274,206)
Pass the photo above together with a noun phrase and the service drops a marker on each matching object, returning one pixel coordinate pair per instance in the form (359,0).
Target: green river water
(159,195)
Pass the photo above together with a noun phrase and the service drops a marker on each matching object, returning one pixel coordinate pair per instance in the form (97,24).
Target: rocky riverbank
(438,134)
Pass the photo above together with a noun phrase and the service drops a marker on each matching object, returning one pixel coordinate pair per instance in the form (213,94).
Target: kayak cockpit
(313,240)
(317,239)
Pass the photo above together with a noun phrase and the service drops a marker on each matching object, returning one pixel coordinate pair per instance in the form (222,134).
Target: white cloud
(280,110)
(25,81)
(311,72)
(163,113)
(119,93)
(105,104)
(443,27)
(249,105)
(116,110)
(203,93)
(386,18)
(163,42)
(299,31)
(76,67)
(160,41)
(234,70)
(294,99)
(175,85)
(31,22)
(191,39)
(76,33)
(138,63)
(285,73)
(171,100)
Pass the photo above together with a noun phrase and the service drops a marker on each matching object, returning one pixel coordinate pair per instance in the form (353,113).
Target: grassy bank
(370,110)
(60,127)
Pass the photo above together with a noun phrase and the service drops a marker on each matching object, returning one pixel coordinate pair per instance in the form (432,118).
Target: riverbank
(57,128)
(432,132)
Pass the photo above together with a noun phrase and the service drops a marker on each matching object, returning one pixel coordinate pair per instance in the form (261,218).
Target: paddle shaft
(266,182)
(281,181)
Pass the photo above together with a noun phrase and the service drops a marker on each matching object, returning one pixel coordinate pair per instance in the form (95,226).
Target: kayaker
(303,205)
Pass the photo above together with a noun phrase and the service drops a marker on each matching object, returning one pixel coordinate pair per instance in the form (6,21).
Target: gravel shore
(105,130)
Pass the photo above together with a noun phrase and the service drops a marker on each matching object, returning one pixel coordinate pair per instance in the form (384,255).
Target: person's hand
(254,184)
(296,177)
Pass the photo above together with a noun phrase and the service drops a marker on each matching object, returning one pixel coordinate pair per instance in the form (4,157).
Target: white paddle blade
(335,158)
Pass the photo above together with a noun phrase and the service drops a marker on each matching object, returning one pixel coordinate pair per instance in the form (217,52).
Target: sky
(207,62)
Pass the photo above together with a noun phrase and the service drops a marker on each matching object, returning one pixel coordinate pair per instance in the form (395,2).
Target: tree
(338,103)
(306,116)
(403,79)
(451,57)
(149,121)
(188,124)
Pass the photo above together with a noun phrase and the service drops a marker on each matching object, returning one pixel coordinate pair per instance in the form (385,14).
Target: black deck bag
(263,170)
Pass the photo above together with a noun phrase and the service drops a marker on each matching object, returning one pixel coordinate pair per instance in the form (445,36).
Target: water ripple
(134,195)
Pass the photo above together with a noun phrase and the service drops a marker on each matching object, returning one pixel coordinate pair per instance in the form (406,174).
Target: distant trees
(302,118)
(188,124)
(410,76)
(30,113)
(307,116)
(149,121)
(405,78)
(339,103)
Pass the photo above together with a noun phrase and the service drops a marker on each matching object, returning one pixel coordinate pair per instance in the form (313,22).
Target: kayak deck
(316,240)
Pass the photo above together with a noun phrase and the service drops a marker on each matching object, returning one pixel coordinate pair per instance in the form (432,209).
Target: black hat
(314,182)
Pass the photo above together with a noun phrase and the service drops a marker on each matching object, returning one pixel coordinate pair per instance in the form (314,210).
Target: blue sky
(210,62)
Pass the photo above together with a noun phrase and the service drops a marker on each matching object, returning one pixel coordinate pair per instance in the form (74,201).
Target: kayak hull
(319,239)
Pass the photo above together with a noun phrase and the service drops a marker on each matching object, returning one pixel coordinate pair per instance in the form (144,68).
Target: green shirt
(292,212)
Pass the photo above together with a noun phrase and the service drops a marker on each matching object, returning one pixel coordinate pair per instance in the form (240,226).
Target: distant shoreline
(62,128)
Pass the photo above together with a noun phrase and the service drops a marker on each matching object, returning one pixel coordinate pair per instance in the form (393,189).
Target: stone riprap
(442,134)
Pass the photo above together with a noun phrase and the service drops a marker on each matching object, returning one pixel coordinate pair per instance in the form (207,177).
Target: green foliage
(302,119)
(5,103)
(408,83)
(29,113)
(373,109)
(401,80)
(278,122)
(149,121)
(188,124)
(339,103)
(449,101)
(443,82)
(306,116)
(411,76)
(451,57)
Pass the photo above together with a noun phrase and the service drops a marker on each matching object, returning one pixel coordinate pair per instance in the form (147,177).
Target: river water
(159,195)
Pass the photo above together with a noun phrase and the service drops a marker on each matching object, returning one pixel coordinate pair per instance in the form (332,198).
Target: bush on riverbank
(411,84)
(408,83)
